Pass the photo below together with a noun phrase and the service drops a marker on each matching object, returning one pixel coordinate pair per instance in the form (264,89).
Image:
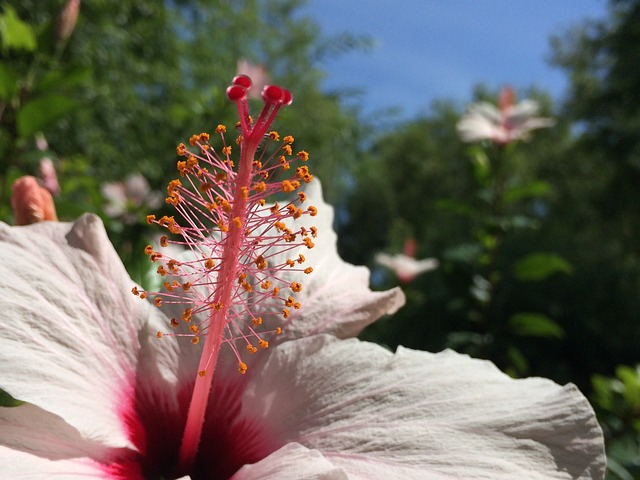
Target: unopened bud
(67,19)
(31,203)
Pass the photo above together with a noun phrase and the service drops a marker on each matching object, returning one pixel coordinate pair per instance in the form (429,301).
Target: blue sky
(435,49)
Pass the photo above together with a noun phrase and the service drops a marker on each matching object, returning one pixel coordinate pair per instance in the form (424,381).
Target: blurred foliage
(135,78)
(617,402)
(537,241)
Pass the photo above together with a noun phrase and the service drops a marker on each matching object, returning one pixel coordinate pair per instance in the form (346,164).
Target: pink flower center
(155,427)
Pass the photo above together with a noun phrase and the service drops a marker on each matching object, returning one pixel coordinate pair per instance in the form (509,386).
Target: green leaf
(7,400)
(631,379)
(527,324)
(15,33)
(60,80)
(42,112)
(519,362)
(8,82)
(539,266)
(535,189)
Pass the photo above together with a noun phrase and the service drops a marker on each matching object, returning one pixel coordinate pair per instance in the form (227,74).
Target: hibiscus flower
(507,124)
(103,397)
(106,399)
(405,265)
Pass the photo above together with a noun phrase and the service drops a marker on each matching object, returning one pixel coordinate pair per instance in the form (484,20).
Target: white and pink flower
(506,124)
(105,398)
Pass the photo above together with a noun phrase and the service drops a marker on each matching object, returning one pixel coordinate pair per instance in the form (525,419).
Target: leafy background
(538,242)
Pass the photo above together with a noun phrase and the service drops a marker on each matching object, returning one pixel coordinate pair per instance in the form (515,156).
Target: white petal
(405,267)
(421,415)
(35,444)
(70,339)
(292,462)
(335,297)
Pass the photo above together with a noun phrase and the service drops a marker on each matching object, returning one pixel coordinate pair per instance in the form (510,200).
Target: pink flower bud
(67,19)
(31,203)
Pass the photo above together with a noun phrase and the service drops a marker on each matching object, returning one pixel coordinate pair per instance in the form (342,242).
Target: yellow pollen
(163,241)
(151,219)
(195,340)
(157,301)
(227,150)
(296,287)
(186,315)
(148,250)
(313,211)
(301,258)
(303,197)
(135,291)
(263,344)
(159,334)
(261,263)
(274,135)
(266,285)
(285,313)
(257,321)
(194,328)
(242,368)
(237,222)
(161,271)
(181,150)
(308,270)
(288,186)
(193,140)
(143,295)
(307,241)
(202,373)
(303,155)
(221,129)
(174,323)
(186,286)
(278,331)
(209,263)
(288,140)
(287,149)
(275,292)
(260,187)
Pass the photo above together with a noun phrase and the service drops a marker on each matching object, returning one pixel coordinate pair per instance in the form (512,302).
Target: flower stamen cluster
(216,208)
(236,247)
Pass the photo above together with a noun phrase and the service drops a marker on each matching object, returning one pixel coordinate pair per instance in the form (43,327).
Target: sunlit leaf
(538,266)
(15,33)
(631,379)
(527,324)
